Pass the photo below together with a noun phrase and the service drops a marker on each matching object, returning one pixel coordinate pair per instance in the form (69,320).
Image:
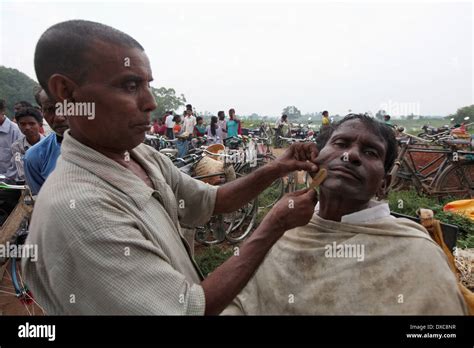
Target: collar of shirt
(375,210)
(5,127)
(27,145)
(107,169)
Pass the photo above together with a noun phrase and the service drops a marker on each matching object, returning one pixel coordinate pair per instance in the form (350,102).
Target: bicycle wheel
(456,180)
(215,230)
(403,179)
(243,220)
(272,194)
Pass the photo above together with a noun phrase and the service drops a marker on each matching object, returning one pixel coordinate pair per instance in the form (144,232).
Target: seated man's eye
(131,86)
(340,144)
(372,153)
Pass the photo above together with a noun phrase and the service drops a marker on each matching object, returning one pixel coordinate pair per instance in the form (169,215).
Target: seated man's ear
(383,189)
(61,88)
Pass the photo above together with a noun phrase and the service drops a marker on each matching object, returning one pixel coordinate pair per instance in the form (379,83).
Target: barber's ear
(61,88)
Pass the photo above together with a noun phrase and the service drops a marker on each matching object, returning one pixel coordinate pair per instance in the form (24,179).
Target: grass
(407,202)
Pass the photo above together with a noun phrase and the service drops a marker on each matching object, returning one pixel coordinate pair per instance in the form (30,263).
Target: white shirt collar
(376,210)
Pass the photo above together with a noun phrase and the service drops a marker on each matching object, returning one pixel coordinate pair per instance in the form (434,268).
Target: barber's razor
(318,178)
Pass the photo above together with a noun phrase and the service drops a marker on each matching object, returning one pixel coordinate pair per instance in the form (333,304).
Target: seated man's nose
(352,156)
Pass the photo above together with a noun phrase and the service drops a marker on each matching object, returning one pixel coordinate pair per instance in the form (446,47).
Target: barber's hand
(299,156)
(292,210)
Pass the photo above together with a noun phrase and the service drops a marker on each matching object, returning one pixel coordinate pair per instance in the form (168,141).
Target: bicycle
(13,233)
(451,173)
(257,153)
(233,227)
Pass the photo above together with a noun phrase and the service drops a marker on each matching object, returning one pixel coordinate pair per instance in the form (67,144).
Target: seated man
(353,257)
(107,220)
(41,159)
(29,121)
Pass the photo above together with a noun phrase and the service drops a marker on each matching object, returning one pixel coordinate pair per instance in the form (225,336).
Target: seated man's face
(118,83)
(57,123)
(354,158)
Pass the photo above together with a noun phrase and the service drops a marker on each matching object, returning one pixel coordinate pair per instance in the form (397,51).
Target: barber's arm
(235,194)
(224,283)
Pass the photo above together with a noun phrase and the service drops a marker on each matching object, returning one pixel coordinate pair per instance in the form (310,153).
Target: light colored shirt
(110,244)
(19,148)
(374,211)
(189,122)
(169,122)
(212,139)
(9,133)
(40,161)
(222,130)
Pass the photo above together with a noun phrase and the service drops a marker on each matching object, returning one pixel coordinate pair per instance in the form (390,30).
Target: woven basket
(207,166)
(217,149)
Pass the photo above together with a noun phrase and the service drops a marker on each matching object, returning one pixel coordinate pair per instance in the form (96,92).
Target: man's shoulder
(18,144)
(37,149)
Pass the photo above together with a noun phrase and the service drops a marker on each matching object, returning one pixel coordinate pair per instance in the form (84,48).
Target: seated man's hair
(2,104)
(62,48)
(384,132)
(29,111)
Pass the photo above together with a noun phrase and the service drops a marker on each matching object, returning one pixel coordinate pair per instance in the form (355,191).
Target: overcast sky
(262,56)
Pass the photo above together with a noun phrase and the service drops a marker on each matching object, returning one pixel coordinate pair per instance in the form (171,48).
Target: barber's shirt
(110,244)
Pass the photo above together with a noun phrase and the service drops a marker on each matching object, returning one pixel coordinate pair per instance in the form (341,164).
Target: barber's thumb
(312,195)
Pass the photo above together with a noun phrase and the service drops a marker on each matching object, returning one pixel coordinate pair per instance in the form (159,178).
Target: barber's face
(118,83)
(354,158)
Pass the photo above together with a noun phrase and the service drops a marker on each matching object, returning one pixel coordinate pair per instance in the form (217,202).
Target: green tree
(467,111)
(166,100)
(292,112)
(15,86)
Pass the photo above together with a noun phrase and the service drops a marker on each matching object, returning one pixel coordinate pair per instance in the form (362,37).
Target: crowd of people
(192,129)
(110,215)
(190,126)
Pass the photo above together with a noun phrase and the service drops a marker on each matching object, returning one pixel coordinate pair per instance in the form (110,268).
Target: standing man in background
(222,126)
(169,122)
(233,125)
(40,160)
(9,133)
(29,120)
(325,120)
